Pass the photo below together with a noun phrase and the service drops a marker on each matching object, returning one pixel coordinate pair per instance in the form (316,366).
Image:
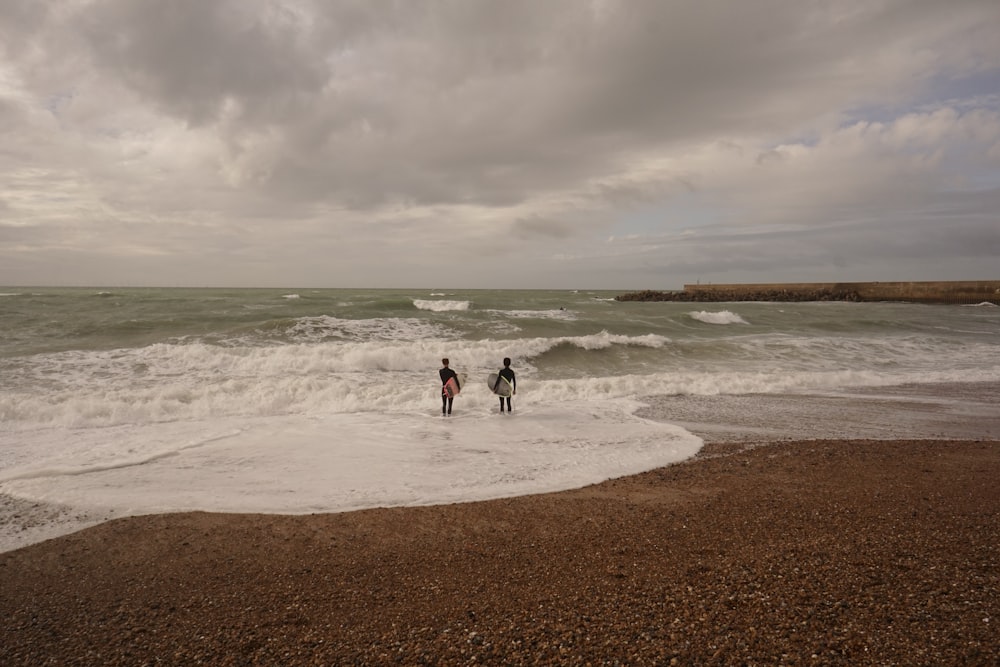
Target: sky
(609,144)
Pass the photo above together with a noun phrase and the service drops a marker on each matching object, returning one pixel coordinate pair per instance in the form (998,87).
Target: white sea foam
(382,328)
(717,317)
(195,381)
(164,382)
(296,465)
(440,305)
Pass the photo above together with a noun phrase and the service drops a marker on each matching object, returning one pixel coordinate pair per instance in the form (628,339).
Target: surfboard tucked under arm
(501,387)
(450,388)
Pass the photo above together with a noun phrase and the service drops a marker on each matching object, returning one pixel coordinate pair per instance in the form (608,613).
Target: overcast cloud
(618,144)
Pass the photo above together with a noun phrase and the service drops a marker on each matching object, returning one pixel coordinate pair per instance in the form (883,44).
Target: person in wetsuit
(508,374)
(446,374)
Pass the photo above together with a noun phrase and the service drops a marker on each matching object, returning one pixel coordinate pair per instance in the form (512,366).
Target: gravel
(814,552)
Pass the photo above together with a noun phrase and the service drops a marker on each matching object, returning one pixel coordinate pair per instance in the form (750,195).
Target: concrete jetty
(942,292)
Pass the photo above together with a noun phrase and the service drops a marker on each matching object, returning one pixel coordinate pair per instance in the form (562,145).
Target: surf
(104,394)
(440,306)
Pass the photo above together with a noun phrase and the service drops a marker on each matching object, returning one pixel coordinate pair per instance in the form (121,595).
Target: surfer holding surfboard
(503,384)
(450,387)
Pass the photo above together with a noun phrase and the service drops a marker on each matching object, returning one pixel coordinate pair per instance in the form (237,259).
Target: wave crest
(440,305)
(717,317)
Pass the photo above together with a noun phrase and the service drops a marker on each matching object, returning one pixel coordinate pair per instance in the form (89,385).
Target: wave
(717,317)
(196,380)
(604,340)
(734,383)
(258,387)
(323,364)
(441,305)
(325,327)
(551,314)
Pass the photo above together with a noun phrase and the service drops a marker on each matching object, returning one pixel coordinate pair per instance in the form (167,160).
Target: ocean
(116,402)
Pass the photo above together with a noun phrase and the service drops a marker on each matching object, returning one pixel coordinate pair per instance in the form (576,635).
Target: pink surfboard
(450,388)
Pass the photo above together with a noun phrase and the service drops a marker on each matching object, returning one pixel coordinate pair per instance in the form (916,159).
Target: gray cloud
(308,137)
(193,59)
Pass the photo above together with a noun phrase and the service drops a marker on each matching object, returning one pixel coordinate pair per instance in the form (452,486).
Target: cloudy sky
(617,144)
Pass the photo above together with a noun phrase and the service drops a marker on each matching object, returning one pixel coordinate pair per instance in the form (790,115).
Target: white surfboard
(501,388)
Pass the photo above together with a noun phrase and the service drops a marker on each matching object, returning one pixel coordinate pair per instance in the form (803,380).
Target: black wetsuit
(446,400)
(507,374)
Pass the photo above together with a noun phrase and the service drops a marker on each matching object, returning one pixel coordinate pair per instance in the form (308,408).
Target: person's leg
(501,404)
(450,401)
(508,404)
(444,403)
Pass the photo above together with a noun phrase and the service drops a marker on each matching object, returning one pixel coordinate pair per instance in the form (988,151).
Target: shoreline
(820,551)
(951,411)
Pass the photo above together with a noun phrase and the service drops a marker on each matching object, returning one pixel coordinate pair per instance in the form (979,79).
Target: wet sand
(845,552)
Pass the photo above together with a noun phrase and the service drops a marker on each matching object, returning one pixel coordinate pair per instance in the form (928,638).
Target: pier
(939,292)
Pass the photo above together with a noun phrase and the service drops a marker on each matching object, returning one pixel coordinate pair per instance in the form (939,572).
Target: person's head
(506,361)
(444,362)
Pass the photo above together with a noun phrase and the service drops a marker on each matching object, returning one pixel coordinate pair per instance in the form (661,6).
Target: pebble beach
(819,552)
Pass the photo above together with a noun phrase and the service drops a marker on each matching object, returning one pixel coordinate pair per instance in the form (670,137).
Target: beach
(263,264)
(801,552)
(262,477)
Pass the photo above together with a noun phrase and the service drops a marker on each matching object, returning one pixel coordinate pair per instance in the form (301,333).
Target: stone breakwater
(742,295)
(953,292)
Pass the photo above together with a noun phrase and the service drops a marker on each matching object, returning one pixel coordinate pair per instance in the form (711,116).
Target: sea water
(116,402)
